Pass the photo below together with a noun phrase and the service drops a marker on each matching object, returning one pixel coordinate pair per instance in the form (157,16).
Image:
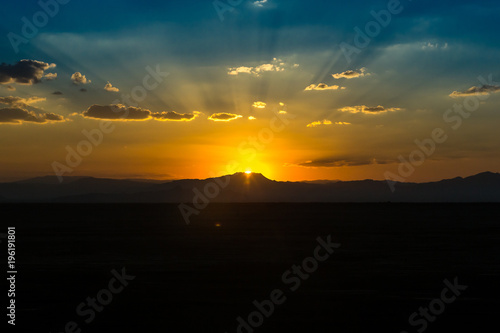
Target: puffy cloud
(174,116)
(368,109)
(26,72)
(57,93)
(342,123)
(19,110)
(116,112)
(319,123)
(224,116)
(241,69)
(50,76)
(11,88)
(259,105)
(351,74)
(483,90)
(323,86)
(78,78)
(17,115)
(53,117)
(122,112)
(277,65)
(251,118)
(109,87)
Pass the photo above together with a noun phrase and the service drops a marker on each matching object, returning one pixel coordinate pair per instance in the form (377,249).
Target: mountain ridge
(254,187)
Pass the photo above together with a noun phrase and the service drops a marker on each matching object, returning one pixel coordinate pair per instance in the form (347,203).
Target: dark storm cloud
(24,72)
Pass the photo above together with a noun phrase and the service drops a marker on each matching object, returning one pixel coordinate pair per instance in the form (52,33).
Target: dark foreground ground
(393,260)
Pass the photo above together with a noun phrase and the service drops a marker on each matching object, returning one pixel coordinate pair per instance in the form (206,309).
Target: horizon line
(246,175)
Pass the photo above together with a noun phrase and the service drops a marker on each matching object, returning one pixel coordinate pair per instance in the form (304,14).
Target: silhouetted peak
(484,176)
(255,176)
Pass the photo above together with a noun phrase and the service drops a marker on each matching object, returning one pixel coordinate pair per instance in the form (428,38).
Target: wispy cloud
(341,161)
(277,65)
(434,46)
(483,90)
(323,86)
(368,109)
(20,102)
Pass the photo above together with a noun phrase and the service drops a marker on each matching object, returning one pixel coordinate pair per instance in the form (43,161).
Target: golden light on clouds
(109,87)
(222,116)
(323,86)
(174,116)
(368,109)
(259,105)
(351,74)
(319,123)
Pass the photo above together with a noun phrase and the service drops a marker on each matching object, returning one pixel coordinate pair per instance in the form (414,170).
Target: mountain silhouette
(242,187)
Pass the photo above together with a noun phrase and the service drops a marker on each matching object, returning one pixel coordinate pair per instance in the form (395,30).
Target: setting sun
(248,172)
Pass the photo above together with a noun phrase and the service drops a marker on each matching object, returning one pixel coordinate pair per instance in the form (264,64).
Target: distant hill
(240,187)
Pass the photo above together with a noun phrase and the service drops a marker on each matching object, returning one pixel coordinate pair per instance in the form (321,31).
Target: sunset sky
(276,87)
